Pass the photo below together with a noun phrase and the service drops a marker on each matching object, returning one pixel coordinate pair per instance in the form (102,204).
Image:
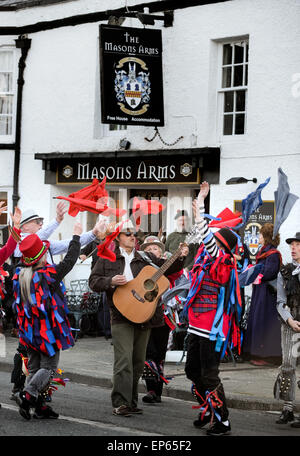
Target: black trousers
(202,368)
(156,351)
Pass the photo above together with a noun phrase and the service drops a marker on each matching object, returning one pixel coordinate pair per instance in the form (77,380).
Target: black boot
(25,402)
(201,422)
(285,417)
(45,412)
(219,428)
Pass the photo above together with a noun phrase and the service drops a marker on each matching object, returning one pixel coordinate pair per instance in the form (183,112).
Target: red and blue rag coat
(43,323)
(213,304)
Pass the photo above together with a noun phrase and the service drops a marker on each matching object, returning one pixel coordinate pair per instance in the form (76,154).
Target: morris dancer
(288,306)
(44,328)
(213,304)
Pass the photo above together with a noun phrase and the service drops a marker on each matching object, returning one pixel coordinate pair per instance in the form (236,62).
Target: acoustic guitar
(137,299)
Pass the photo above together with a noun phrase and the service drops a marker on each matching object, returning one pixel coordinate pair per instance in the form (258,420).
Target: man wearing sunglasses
(129,339)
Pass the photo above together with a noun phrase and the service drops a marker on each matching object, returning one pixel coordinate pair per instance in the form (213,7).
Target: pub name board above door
(128,171)
(131,76)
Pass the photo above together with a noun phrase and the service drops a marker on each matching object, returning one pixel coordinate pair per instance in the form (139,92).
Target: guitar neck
(166,265)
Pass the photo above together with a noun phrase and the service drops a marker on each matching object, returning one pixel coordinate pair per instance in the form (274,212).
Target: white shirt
(128,258)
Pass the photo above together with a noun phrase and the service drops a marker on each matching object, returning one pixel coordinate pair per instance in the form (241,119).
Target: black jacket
(105,270)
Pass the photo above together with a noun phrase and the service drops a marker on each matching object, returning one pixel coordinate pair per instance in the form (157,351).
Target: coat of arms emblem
(251,237)
(132,86)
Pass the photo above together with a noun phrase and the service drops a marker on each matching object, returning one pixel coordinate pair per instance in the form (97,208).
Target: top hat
(227,238)
(28,216)
(152,240)
(296,238)
(32,249)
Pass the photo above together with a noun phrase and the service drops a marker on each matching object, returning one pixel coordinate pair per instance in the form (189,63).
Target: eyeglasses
(128,233)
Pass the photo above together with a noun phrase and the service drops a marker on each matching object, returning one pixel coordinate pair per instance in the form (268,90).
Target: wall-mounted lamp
(124,144)
(240,180)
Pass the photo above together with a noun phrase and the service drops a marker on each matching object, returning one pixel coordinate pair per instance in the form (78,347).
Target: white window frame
(9,209)
(5,46)
(222,90)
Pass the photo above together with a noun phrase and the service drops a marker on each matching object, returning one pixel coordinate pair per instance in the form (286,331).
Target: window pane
(6,104)
(228,101)
(240,124)
(247,51)
(5,82)
(238,76)
(115,127)
(240,100)
(6,61)
(3,216)
(226,80)
(228,122)
(238,53)
(227,54)
(246,75)
(5,125)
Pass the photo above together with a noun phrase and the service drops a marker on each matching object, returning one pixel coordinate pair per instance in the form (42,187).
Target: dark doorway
(152,224)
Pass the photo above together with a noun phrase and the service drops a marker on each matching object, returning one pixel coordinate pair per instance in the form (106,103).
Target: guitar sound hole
(149,284)
(150,295)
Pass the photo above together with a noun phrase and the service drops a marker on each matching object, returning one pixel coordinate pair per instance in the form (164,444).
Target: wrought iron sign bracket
(115,18)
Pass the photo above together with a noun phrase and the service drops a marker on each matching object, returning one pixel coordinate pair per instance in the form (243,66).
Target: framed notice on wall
(250,232)
(131,76)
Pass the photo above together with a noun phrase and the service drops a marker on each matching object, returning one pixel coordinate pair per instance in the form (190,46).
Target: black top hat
(180,213)
(227,238)
(296,238)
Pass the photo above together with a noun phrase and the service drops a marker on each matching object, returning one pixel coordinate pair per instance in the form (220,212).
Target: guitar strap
(147,258)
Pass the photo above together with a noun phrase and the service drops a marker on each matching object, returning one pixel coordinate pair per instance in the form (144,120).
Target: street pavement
(90,362)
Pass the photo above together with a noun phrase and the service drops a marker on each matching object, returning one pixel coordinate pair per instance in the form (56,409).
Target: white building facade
(231,82)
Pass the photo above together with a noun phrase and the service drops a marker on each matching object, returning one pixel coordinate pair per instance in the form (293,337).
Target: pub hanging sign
(131,76)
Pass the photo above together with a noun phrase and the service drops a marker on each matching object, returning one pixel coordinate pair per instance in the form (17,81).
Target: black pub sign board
(124,171)
(131,76)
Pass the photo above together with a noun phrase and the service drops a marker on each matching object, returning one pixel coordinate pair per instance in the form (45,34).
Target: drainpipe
(22,43)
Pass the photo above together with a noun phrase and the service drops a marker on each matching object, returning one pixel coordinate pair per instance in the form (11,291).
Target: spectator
(178,236)
(288,306)
(262,337)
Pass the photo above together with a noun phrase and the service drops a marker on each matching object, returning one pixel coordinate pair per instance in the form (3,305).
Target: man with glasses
(129,339)
(32,223)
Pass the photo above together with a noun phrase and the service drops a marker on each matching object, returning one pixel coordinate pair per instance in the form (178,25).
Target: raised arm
(8,249)
(45,233)
(199,210)
(67,264)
